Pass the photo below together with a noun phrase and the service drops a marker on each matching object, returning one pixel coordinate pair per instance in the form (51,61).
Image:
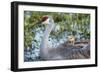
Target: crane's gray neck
(44,43)
(44,49)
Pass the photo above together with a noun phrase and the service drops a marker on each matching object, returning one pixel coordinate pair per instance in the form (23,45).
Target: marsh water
(33,53)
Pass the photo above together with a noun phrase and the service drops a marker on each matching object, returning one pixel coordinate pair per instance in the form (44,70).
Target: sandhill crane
(63,51)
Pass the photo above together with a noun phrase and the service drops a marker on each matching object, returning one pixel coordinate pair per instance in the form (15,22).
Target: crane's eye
(50,21)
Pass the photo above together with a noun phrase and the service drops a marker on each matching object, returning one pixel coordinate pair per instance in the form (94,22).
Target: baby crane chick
(71,39)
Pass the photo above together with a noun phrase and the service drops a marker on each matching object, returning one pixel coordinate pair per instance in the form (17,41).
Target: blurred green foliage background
(74,23)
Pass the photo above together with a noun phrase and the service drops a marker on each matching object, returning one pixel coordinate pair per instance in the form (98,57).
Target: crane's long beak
(39,22)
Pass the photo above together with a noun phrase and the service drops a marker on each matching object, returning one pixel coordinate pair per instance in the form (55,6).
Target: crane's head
(47,20)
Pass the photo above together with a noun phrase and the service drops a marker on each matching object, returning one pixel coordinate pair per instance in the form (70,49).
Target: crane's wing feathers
(70,52)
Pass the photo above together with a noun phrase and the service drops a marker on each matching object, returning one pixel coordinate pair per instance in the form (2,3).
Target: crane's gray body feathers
(68,52)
